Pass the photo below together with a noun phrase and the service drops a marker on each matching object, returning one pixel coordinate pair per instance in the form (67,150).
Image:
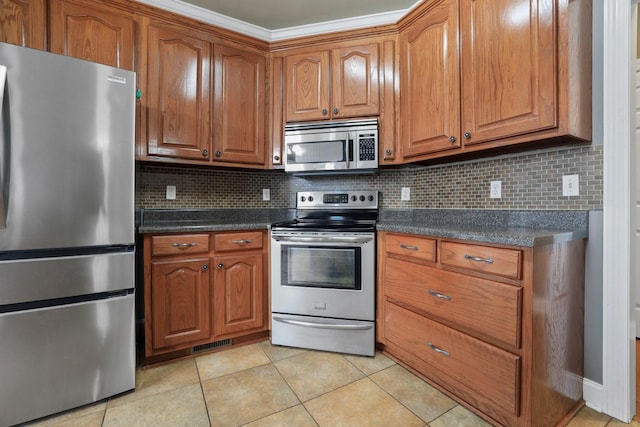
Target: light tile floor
(261,385)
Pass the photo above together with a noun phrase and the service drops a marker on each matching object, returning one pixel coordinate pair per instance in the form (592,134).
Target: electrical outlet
(171,192)
(405,194)
(495,189)
(266,194)
(570,185)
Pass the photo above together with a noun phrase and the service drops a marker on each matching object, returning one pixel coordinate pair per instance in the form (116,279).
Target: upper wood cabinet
(509,74)
(239,106)
(483,74)
(429,82)
(23,22)
(334,84)
(178,93)
(92,31)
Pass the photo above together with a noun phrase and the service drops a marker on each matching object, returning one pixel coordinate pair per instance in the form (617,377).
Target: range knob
(354,198)
(370,198)
(362,198)
(311,198)
(303,199)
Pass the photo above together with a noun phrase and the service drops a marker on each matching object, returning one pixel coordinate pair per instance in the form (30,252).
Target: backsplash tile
(530,181)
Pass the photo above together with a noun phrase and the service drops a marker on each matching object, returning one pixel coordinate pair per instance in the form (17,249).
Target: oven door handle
(342,327)
(322,239)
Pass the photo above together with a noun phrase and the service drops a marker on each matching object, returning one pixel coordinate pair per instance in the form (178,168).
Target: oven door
(326,275)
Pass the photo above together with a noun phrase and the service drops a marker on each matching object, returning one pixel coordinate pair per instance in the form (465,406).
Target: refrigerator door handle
(5,152)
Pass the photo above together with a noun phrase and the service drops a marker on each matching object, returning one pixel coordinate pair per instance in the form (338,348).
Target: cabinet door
(178,94)
(92,33)
(239,294)
(354,83)
(239,106)
(23,22)
(509,83)
(307,86)
(180,302)
(430,79)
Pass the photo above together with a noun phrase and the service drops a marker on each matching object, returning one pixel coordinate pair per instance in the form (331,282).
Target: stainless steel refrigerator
(66,233)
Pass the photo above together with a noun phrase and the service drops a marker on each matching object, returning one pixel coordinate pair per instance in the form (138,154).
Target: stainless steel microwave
(331,147)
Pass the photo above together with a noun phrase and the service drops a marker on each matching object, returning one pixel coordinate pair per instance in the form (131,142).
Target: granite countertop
(518,228)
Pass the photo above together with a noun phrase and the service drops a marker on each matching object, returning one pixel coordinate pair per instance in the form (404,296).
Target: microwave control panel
(367,147)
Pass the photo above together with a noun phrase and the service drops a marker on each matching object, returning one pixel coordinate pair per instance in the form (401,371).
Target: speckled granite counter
(189,220)
(519,228)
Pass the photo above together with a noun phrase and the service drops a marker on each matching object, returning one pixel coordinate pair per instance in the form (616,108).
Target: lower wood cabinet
(202,288)
(498,328)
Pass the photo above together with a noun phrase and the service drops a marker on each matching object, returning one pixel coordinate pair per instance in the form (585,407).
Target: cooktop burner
(345,211)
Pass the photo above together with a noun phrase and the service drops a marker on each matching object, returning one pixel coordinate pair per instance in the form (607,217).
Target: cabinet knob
(388,151)
(205,152)
(205,267)
(467,135)
(220,266)
(276,158)
(452,139)
(218,153)
(324,112)
(335,111)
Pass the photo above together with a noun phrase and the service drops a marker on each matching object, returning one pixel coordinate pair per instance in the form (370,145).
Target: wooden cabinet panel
(239,294)
(429,83)
(179,244)
(239,106)
(472,369)
(178,94)
(509,59)
(420,248)
(23,22)
(485,259)
(96,34)
(307,86)
(180,301)
(354,82)
(484,307)
(224,242)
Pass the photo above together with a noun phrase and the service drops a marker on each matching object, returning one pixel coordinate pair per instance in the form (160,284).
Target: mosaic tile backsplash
(530,181)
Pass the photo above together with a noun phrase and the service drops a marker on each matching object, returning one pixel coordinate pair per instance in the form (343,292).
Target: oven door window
(322,267)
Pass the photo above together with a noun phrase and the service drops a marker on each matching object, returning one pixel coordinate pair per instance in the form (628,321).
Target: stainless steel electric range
(323,273)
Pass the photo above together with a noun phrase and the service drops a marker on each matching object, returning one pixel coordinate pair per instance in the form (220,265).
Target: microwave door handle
(349,151)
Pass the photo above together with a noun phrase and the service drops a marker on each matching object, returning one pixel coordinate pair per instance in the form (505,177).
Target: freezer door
(58,358)
(66,152)
(42,279)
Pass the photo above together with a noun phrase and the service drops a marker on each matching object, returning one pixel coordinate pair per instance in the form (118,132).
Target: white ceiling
(273,20)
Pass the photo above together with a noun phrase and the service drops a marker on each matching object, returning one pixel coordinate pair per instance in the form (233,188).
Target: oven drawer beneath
(319,333)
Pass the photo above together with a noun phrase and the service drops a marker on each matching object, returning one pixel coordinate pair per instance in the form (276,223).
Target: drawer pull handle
(475,258)
(184,245)
(241,242)
(411,248)
(439,295)
(438,350)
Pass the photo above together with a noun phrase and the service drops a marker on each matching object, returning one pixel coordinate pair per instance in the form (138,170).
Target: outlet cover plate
(570,185)
(266,194)
(405,194)
(495,189)
(171,192)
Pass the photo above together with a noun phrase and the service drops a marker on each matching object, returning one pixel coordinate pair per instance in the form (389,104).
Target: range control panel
(352,199)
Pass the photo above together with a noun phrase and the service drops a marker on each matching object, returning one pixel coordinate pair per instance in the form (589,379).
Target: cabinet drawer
(179,244)
(413,246)
(481,374)
(489,308)
(223,242)
(503,262)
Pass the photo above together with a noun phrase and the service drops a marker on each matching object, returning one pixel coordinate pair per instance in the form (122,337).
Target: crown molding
(226,22)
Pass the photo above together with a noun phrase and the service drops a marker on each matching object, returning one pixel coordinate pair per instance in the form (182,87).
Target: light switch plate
(171,192)
(405,194)
(266,194)
(570,185)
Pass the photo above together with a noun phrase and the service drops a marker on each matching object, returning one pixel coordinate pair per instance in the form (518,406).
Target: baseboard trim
(592,393)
